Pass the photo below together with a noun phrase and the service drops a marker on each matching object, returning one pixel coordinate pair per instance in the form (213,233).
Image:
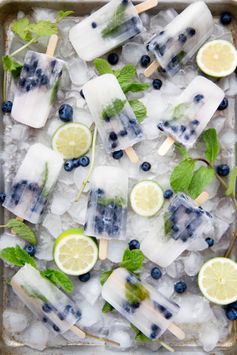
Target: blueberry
(68,309)
(191,31)
(113,136)
(7,107)
(174,128)
(84,161)
(167,314)
(114,145)
(145,166)
(78,314)
(61,316)
(44,80)
(65,113)
(210,242)
(22,82)
(2,197)
(38,72)
(166,124)
(123,133)
(145,60)
(195,122)
(118,154)
(47,308)
(225,18)
(198,98)
(188,210)
(134,244)
(182,38)
(231,313)
(175,228)
(113,58)
(154,331)
(233,305)
(168,194)
(56,328)
(128,308)
(157,83)
(180,287)
(76,162)
(45,319)
(186,137)
(26,67)
(84,277)
(99,225)
(131,279)
(30,249)
(82,94)
(223,170)
(160,49)
(223,105)
(156,273)
(93,24)
(69,165)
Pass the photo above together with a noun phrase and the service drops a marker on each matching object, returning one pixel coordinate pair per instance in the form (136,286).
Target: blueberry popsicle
(183,222)
(33,182)
(113,116)
(37,87)
(181,38)
(107,206)
(185,119)
(142,305)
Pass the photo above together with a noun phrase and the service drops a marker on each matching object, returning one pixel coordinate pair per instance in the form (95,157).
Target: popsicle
(33,182)
(182,223)
(107,206)
(141,304)
(181,38)
(187,116)
(107,28)
(113,116)
(37,86)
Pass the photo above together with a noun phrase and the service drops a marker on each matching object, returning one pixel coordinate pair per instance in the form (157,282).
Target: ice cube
(221,227)
(19,132)
(91,290)
(53,126)
(132,52)
(36,336)
(217,123)
(198,244)
(228,138)
(225,210)
(208,336)
(44,250)
(176,269)
(78,210)
(116,249)
(9,240)
(121,337)
(78,71)
(192,263)
(166,286)
(82,116)
(53,224)
(15,321)
(60,203)
(162,19)
(78,177)
(90,314)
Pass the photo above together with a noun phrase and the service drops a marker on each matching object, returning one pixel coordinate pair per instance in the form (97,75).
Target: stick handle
(103,249)
(53,41)
(78,332)
(146,5)
(151,69)
(203,197)
(174,329)
(166,146)
(132,155)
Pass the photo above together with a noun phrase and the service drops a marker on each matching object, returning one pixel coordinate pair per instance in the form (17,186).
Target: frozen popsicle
(113,116)
(181,224)
(37,87)
(107,206)
(186,117)
(107,28)
(181,38)
(142,305)
(33,182)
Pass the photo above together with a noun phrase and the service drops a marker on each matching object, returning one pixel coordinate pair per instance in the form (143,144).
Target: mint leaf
(24,257)
(43,28)
(134,86)
(116,21)
(11,65)
(181,176)
(54,91)
(139,335)
(102,66)
(139,110)
(125,74)
(167,223)
(21,29)
(104,276)
(45,179)
(16,256)
(212,145)
(107,308)
(201,178)
(182,150)
(62,14)
(132,259)
(59,279)
(232,182)
(113,109)
(179,111)
(135,292)
(31,292)
(22,230)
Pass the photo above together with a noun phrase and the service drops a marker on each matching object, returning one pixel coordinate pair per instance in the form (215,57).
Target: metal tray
(8,10)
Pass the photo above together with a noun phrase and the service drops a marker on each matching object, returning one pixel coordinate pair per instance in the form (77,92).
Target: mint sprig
(139,336)
(21,230)
(202,177)
(12,66)
(139,109)
(113,109)
(59,279)
(107,308)
(16,256)
(115,22)
(210,139)
(231,190)
(104,276)
(21,29)
(181,176)
(125,74)
(62,14)
(132,259)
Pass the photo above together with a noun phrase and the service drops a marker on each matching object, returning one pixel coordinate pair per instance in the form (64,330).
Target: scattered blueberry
(47,308)
(180,287)
(113,136)
(223,170)
(30,249)
(145,166)
(191,31)
(113,58)
(82,94)
(210,242)
(157,83)
(84,277)
(168,194)
(65,113)
(93,24)
(2,197)
(7,107)
(118,154)
(223,105)
(182,38)
(225,18)
(156,273)
(84,161)
(145,60)
(76,162)
(69,165)
(134,244)
(198,98)
(231,313)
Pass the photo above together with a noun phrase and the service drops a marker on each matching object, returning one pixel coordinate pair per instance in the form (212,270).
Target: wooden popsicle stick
(132,155)
(146,5)
(166,146)
(203,197)
(53,41)
(78,332)
(103,249)
(151,69)
(174,329)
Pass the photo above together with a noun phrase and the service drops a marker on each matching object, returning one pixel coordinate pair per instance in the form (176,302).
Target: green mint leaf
(232,182)
(113,109)
(22,230)
(11,65)
(62,14)
(135,292)
(24,257)
(43,28)
(132,259)
(125,74)
(212,145)
(21,29)
(107,308)
(105,201)
(59,279)
(115,23)
(167,223)
(201,178)
(54,91)
(9,255)
(139,110)
(181,176)
(182,150)
(134,86)
(139,335)
(45,179)
(32,292)
(179,111)
(104,276)
(102,66)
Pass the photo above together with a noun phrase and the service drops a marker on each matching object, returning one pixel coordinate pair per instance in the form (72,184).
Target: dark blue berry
(44,80)
(69,165)
(231,313)
(45,319)
(22,82)
(78,315)
(168,194)
(225,18)
(145,60)
(198,98)
(61,316)
(167,314)
(38,72)
(84,161)
(47,308)
(156,273)
(175,228)
(180,287)
(210,242)
(65,113)
(145,166)
(93,24)
(113,58)
(174,128)
(154,331)
(223,170)
(84,277)
(2,197)
(191,31)
(7,107)
(76,162)
(56,328)
(82,94)
(188,210)
(68,309)
(157,83)
(30,249)
(113,136)
(123,133)
(166,124)
(195,122)
(118,154)
(182,38)
(134,244)
(223,105)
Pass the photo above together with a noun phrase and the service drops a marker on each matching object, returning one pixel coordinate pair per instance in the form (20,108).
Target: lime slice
(74,253)
(72,140)
(217,280)
(146,198)
(217,58)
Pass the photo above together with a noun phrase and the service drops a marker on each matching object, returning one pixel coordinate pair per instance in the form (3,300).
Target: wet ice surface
(203,323)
